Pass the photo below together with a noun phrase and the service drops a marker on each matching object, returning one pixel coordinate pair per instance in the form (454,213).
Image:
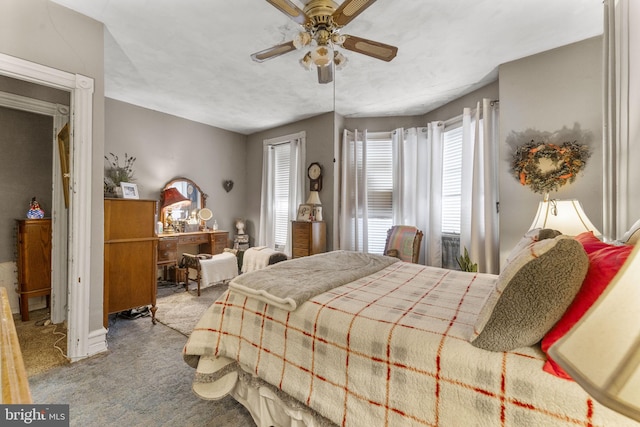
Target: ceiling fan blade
(291,10)
(325,74)
(349,9)
(376,50)
(273,52)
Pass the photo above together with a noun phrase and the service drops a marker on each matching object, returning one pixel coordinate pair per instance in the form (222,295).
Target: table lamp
(566,216)
(171,198)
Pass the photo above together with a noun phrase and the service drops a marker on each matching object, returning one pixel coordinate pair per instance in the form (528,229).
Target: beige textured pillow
(531,294)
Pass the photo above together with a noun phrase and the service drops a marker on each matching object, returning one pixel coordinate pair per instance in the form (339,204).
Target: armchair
(403,242)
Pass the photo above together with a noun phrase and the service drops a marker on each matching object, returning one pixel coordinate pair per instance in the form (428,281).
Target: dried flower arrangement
(562,161)
(115,173)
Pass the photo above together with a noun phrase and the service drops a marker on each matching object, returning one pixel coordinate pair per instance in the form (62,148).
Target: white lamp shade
(566,216)
(602,351)
(314,198)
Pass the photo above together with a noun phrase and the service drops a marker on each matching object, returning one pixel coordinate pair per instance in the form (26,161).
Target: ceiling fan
(321,21)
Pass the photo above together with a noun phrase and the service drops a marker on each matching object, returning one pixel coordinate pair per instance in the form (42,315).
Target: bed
(351,339)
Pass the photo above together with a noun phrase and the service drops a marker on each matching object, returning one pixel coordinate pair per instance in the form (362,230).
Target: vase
(118,192)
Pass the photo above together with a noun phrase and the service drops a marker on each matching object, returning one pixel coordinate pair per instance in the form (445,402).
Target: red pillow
(604,262)
(590,243)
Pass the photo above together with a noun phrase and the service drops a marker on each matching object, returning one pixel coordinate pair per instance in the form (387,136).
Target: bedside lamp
(566,216)
(171,198)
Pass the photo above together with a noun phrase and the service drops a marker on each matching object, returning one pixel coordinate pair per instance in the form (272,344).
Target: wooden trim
(15,385)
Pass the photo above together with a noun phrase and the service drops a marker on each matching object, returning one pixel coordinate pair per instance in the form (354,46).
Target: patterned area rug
(180,310)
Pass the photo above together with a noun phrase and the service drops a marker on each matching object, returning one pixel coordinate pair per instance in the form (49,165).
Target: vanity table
(171,245)
(208,242)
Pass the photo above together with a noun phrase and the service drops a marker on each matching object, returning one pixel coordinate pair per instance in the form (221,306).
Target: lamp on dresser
(170,199)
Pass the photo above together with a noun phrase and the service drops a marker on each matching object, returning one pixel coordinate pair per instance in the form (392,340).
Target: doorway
(58,115)
(81,341)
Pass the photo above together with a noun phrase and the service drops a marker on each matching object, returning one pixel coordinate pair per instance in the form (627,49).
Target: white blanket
(256,258)
(218,268)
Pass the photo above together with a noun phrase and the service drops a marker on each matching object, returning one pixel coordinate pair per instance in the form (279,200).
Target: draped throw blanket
(286,285)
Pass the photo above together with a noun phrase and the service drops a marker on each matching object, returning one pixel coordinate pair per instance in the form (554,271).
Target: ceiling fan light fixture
(339,60)
(337,38)
(322,55)
(306,61)
(301,40)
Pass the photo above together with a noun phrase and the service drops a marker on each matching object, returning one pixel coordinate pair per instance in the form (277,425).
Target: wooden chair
(403,242)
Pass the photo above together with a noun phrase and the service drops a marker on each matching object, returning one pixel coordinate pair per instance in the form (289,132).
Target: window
(282,189)
(379,161)
(452,180)
(451,195)
(281,164)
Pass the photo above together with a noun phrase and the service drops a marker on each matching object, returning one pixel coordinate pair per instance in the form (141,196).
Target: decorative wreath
(570,159)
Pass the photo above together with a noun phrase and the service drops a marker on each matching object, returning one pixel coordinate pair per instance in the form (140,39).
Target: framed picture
(129,190)
(304,213)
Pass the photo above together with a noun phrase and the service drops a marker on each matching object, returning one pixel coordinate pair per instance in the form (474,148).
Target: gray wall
(51,35)
(167,147)
(547,92)
(26,164)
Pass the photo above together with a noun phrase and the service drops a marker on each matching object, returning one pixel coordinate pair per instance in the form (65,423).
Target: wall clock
(315,176)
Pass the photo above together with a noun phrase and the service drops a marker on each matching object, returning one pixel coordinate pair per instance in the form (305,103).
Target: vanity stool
(210,269)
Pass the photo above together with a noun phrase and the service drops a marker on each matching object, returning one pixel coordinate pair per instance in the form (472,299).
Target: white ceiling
(191,58)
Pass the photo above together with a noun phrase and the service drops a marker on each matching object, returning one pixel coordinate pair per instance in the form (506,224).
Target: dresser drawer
(167,250)
(300,252)
(195,239)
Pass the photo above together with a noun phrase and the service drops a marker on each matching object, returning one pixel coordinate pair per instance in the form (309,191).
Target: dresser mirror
(186,214)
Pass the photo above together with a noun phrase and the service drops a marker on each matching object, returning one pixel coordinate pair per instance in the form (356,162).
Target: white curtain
(620,107)
(352,226)
(417,158)
(479,221)
(266,233)
(417,193)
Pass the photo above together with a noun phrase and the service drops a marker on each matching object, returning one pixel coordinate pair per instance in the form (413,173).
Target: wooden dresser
(308,238)
(34,261)
(130,251)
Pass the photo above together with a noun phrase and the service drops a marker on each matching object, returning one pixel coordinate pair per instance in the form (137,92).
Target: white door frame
(59,278)
(79,254)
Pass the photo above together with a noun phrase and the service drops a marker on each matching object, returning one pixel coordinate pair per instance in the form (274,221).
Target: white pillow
(531,236)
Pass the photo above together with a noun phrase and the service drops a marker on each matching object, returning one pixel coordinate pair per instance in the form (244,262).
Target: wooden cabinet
(34,261)
(308,238)
(130,255)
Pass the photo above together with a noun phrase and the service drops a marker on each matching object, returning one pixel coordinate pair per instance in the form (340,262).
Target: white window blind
(282,162)
(452,180)
(379,161)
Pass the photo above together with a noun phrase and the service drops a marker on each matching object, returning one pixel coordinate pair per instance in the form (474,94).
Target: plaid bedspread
(391,349)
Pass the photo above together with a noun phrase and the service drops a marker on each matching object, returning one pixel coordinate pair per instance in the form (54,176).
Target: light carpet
(180,310)
(141,380)
(43,346)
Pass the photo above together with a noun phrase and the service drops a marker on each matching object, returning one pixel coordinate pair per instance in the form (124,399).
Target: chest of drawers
(308,238)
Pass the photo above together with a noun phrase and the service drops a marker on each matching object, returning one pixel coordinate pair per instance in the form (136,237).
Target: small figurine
(35,212)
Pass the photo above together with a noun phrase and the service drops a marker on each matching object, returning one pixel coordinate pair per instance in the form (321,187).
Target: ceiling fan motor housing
(320,11)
